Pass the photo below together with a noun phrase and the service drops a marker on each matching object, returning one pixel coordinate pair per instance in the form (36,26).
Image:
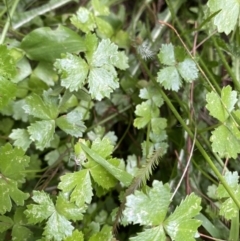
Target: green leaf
(229,10)
(100,175)
(105,234)
(21,138)
(169,78)
(72,123)
(146,111)
(118,173)
(188,70)
(151,93)
(228,208)
(167,55)
(13,163)
(153,234)
(102,81)
(179,66)
(84,20)
(7,63)
(150,208)
(180,225)
(79,184)
(38,213)
(57,226)
(5,223)
(103,76)
(99,8)
(69,209)
(39,108)
(158,124)
(76,235)
(44,71)
(45,44)
(20,233)
(7,91)
(226,140)
(9,190)
(220,108)
(41,132)
(73,70)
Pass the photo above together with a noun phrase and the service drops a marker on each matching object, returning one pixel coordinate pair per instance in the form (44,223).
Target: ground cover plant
(119,120)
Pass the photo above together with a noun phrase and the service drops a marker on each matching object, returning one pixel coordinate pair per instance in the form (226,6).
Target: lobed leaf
(227,19)
(72,123)
(180,225)
(21,138)
(73,70)
(220,108)
(150,208)
(79,184)
(41,132)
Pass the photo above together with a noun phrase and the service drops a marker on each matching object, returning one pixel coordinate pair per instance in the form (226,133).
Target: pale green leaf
(169,78)
(188,70)
(118,173)
(180,225)
(121,61)
(228,208)
(21,138)
(227,19)
(57,228)
(226,140)
(79,184)
(7,91)
(152,93)
(44,208)
(76,236)
(84,20)
(72,123)
(102,81)
(150,208)
(73,70)
(220,108)
(41,132)
(146,111)
(9,191)
(35,106)
(153,234)
(166,54)
(105,234)
(5,223)
(105,54)
(69,209)
(232,179)
(13,163)
(18,111)
(45,44)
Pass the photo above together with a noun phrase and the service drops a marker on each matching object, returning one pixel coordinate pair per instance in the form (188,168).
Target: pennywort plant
(112,127)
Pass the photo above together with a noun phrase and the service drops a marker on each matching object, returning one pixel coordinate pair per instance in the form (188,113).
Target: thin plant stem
(7,25)
(186,167)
